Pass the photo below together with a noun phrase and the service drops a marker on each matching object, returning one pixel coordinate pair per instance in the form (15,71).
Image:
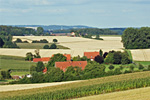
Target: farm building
(91,55)
(45,70)
(44,59)
(63,65)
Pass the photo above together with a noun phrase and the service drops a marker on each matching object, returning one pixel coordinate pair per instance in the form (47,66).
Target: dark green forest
(94,31)
(15,31)
(134,38)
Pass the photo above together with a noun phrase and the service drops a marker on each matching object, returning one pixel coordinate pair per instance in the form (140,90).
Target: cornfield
(86,90)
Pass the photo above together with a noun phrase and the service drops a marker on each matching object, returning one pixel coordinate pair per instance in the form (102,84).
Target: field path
(135,94)
(4,88)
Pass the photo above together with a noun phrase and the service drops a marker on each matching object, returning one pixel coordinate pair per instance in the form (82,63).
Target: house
(68,57)
(37,59)
(64,65)
(91,55)
(44,59)
(16,77)
(45,70)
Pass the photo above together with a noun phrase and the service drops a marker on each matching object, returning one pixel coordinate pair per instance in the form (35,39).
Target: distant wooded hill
(67,29)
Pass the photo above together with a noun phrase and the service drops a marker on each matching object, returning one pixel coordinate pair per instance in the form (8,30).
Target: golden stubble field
(78,46)
(135,94)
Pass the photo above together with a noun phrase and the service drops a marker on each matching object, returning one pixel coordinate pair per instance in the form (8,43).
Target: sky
(94,13)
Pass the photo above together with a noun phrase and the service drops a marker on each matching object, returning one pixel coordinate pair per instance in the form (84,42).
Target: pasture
(18,65)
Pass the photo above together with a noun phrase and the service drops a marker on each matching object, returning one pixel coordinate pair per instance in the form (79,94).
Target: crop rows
(86,90)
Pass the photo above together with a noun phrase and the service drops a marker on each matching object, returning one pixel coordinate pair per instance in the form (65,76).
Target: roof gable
(91,55)
(64,65)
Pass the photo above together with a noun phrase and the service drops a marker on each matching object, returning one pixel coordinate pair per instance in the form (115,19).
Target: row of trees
(30,56)
(134,38)
(6,42)
(94,31)
(19,31)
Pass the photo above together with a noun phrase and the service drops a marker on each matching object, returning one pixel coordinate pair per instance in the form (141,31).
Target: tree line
(134,38)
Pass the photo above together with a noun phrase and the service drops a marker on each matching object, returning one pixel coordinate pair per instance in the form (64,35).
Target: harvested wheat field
(135,94)
(46,52)
(141,54)
(79,42)
(78,46)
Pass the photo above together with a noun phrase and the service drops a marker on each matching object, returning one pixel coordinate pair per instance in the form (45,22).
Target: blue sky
(96,13)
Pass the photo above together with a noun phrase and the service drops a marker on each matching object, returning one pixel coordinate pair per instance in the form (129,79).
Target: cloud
(6,10)
(56,11)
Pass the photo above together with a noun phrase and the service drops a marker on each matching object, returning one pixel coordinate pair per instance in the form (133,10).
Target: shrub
(99,59)
(73,73)
(111,67)
(117,71)
(40,66)
(109,58)
(141,67)
(125,58)
(29,56)
(1,42)
(46,47)
(25,42)
(117,57)
(55,40)
(37,77)
(121,67)
(93,70)
(54,75)
(18,40)
(100,52)
(132,68)
(9,44)
(53,46)
(56,58)
(5,74)
(105,54)
(148,67)
(127,71)
(32,69)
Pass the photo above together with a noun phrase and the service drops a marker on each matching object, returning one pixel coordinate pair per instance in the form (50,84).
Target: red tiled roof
(64,65)
(37,59)
(91,55)
(44,59)
(45,70)
(68,57)
(15,77)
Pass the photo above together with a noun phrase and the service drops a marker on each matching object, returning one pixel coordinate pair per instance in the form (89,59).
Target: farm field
(37,45)
(135,94)
(77,45)
(117,78)
(141,54)
(18,65)
(79,42)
